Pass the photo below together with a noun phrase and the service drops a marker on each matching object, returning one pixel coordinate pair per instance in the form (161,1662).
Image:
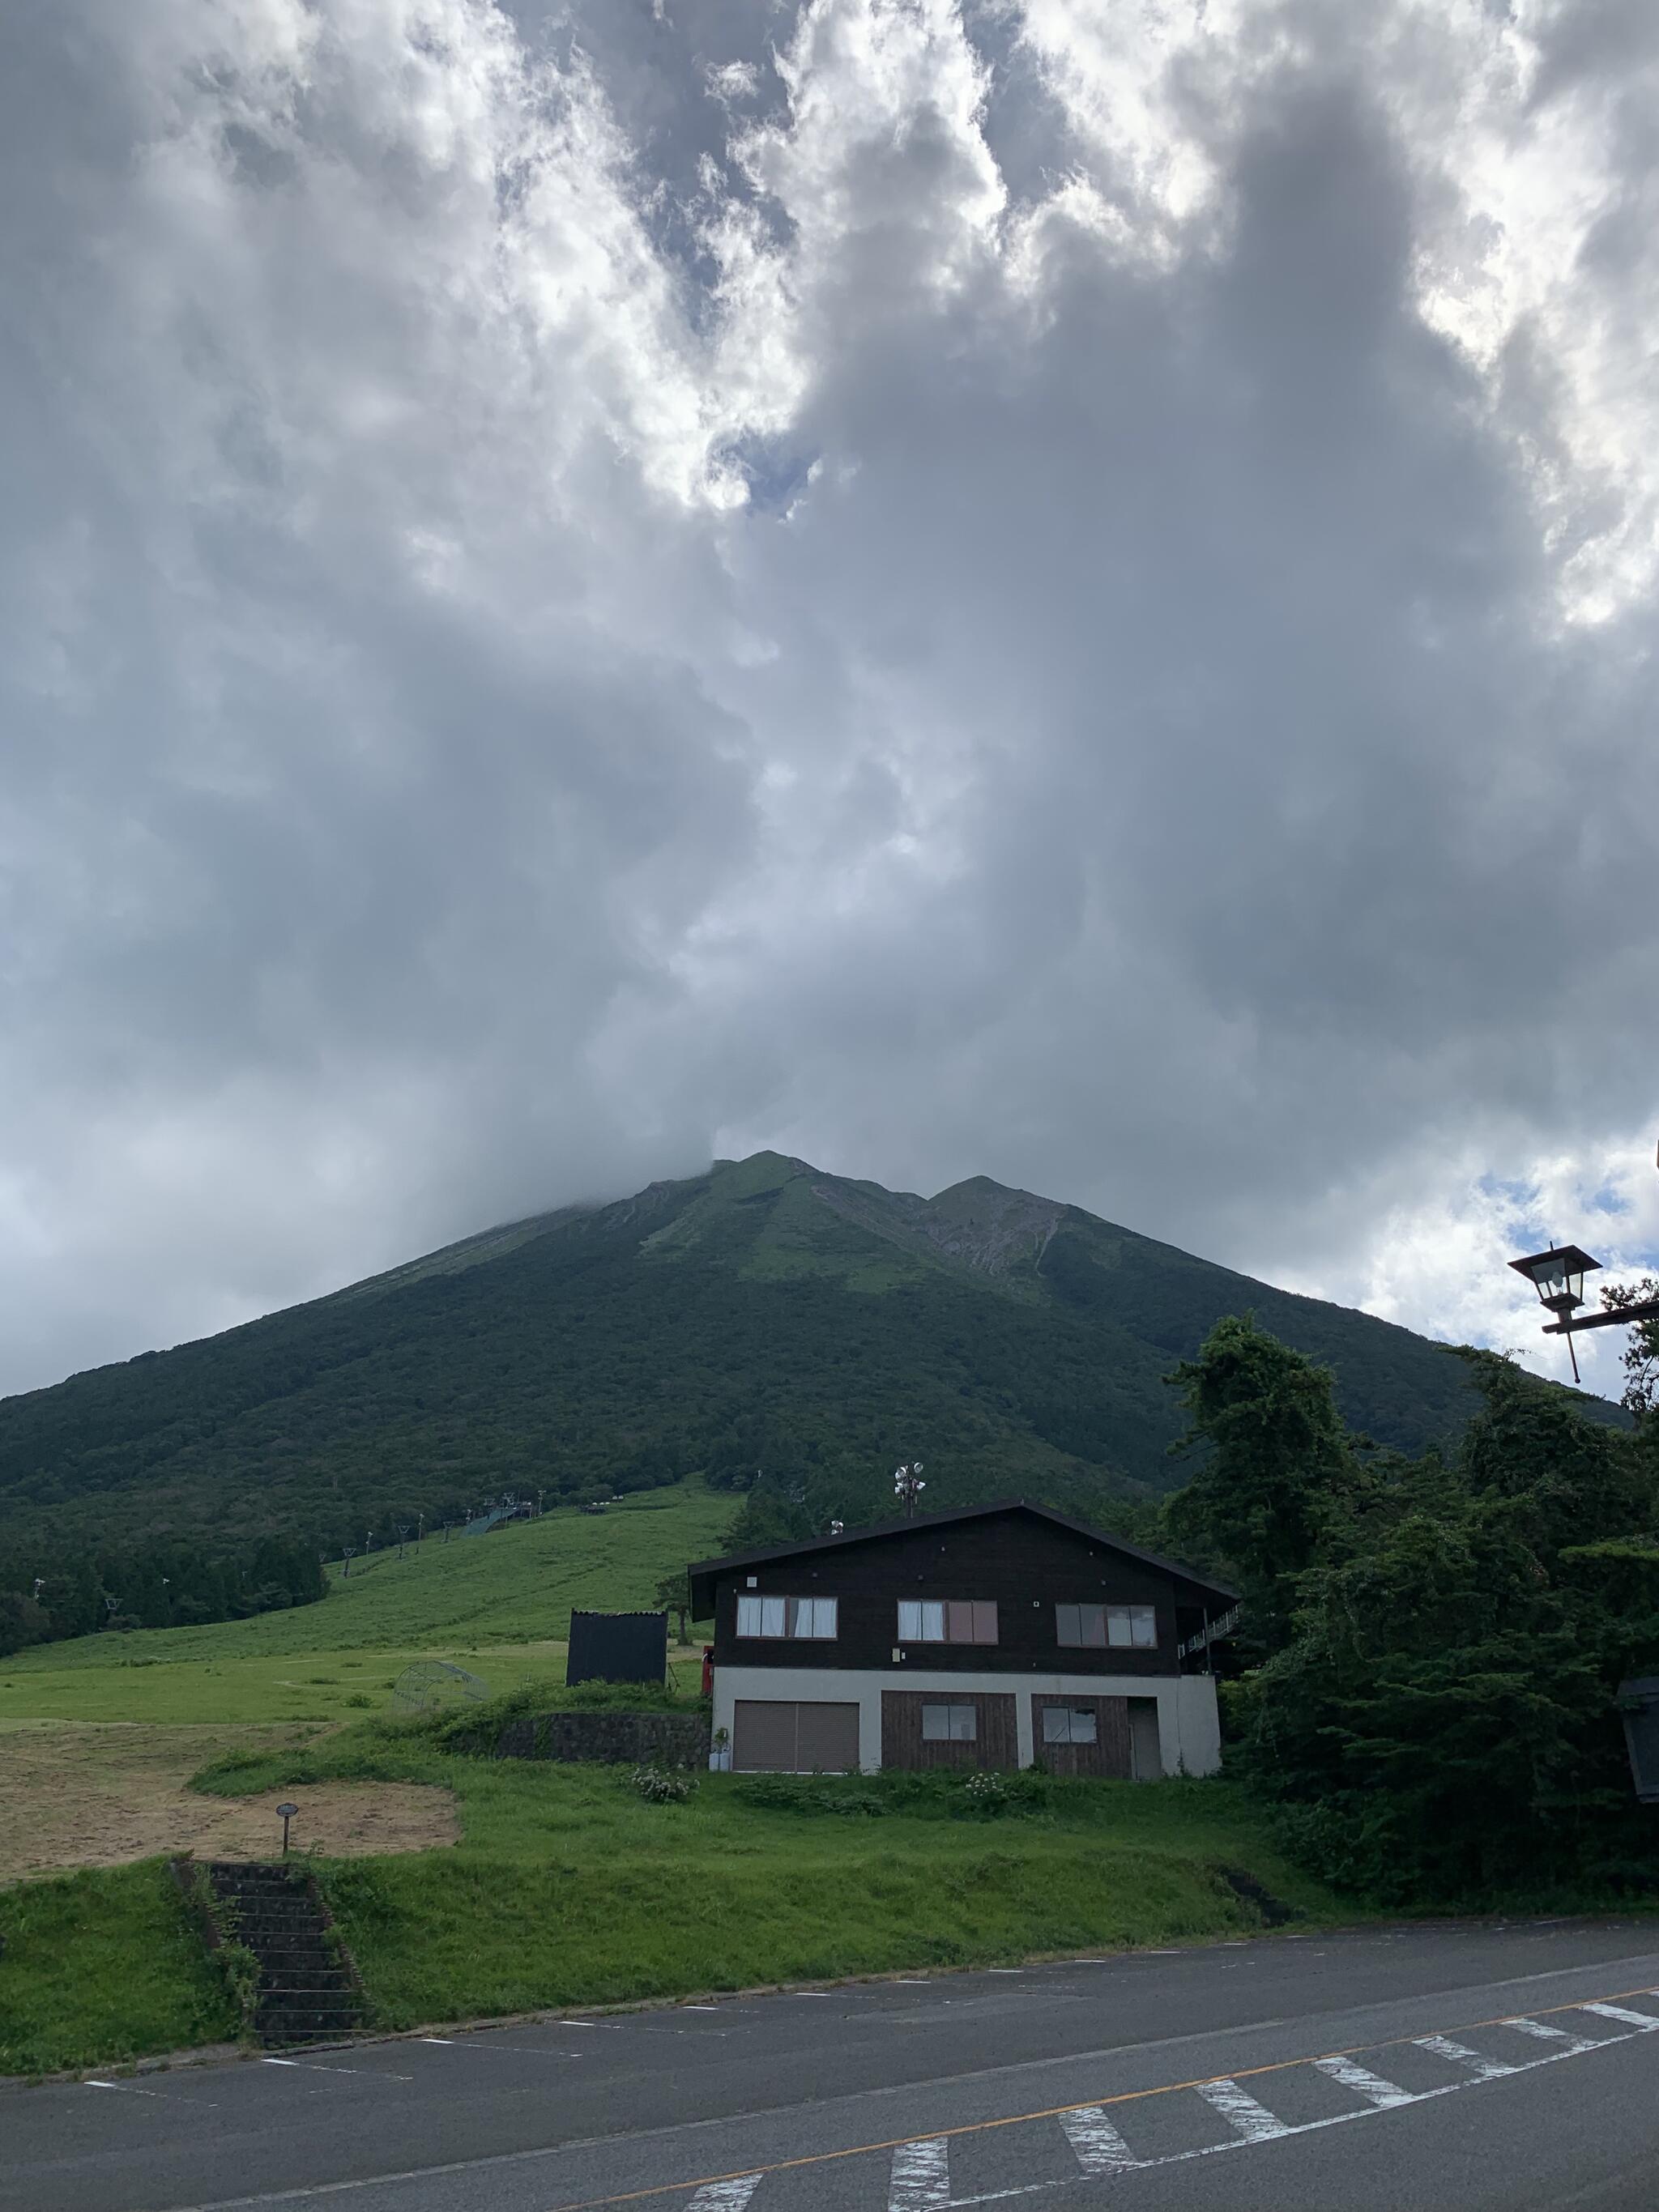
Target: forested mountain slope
(761,1316)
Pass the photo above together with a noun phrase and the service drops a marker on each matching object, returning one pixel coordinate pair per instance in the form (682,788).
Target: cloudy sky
(1057,588)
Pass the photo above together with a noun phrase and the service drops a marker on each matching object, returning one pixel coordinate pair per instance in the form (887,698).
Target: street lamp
(1558,1276)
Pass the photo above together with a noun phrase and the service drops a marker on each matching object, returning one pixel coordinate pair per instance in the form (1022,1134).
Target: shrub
(987,1793)
(660,1785)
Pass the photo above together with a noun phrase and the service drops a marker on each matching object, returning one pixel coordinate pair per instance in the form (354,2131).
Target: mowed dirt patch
(85,1793)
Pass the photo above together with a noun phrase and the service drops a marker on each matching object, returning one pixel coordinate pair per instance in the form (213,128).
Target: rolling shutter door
(779,1736)
(827,1737)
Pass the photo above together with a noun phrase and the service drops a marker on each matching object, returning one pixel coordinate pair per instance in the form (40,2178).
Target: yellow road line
(1082,2103)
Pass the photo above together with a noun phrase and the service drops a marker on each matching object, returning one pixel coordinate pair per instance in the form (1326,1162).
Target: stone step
(307,1990)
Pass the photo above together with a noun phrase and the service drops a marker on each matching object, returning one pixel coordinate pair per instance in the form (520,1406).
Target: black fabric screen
(617,1647)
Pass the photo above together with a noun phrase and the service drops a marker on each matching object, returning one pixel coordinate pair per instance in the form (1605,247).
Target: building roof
(1205,1589)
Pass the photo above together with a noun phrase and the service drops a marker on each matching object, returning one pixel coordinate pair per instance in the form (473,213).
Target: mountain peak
(764,1314)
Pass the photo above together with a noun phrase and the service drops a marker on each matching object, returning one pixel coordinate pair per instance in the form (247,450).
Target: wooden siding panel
(902,1745)
(1021,1566)
(1109,1758)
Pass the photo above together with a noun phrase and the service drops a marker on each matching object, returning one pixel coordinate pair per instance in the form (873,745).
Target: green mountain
(760,1316)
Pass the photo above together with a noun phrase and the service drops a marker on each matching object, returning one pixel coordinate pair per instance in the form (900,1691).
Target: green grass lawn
(498,1604)
(101,1967)
(566,1888)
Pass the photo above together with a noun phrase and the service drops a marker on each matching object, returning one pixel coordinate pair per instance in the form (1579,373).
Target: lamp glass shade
(1557,1275)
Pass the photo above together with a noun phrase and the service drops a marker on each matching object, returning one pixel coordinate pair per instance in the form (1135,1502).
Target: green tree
(1641,1396)
(1278,1464)
(673,1595)
(1441,1725)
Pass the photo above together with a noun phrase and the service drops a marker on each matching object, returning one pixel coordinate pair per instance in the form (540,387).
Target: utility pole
(348,1553)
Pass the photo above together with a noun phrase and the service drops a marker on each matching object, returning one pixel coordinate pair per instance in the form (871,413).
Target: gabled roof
(1204,1589)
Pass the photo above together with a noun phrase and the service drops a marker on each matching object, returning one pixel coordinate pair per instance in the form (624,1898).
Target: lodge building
(994,1636)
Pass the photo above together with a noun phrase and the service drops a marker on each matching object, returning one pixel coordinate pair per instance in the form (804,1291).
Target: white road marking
(922,2176)
(518,2050)
(1360,2079)
(726,2196)
(446,2040)
(902,1981)
(1620,2013)
(1236,2107)
(315,2066)
(691,2008)
(1484,2070)
(1554,2035)
(127,2089)
(1099,2148)
(1006,1969)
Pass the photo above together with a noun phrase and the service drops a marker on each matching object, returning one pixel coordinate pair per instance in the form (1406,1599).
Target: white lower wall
(1188,1729)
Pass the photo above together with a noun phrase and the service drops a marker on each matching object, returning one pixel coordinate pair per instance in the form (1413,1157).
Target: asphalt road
(1466,2067)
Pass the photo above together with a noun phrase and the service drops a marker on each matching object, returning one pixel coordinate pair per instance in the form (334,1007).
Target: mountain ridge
(762,1315)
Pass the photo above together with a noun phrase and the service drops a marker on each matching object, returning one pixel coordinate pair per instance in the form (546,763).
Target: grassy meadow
(566,1888)
(498,1605)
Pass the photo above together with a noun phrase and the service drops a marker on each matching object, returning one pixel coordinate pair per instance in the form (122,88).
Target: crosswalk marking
(1622,2013)
(1364,2083)
(1253,2122)
(922,2176)
(725,2196)
(1487,2070)
(1546,2034)
(1100,2148)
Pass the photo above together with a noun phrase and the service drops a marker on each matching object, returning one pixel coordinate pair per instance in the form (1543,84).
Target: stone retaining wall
(606,1739)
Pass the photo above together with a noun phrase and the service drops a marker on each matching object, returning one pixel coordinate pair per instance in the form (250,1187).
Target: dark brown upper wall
(1027,1564)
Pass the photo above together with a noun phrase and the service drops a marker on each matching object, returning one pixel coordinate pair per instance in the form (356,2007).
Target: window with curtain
(947,1620)
(1099,1627)
(809,1617)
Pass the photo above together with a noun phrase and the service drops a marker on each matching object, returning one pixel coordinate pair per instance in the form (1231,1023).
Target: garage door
(777,1737)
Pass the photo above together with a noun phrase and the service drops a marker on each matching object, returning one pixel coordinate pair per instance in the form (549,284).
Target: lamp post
(1558,1276)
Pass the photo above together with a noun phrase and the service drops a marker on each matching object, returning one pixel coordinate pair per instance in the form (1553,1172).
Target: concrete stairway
(308,1990)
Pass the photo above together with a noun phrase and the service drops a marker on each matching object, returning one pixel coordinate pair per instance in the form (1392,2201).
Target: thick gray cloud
(1063,591)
